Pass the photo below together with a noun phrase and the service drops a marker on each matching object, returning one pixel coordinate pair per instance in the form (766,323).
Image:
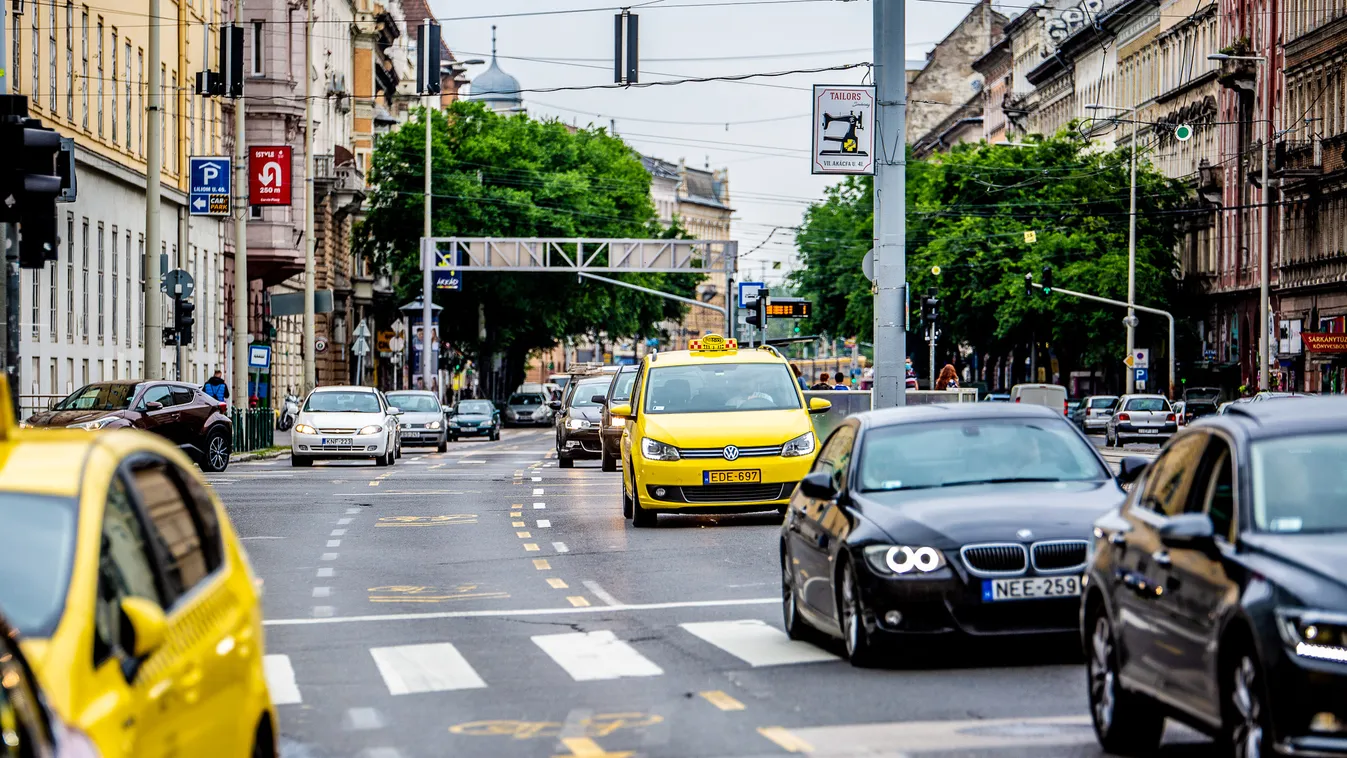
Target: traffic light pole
(11,251)
(153,317)
(240,247)
(890,188)
(1130,306)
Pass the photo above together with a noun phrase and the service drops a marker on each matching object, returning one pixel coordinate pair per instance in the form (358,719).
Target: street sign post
(1141,375)
(269,175)
(844,130)
(208,193)
(1141,358)
(259,356)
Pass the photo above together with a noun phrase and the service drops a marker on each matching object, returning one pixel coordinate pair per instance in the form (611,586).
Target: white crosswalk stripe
(757,644)
(589,656)
(435,667)
(281,680)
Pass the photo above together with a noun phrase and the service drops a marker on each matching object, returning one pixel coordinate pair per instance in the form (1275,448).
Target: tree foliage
(968,213)
(516,177)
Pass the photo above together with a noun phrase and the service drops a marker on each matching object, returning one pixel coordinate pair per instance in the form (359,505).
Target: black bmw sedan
(943,520)
(1217,594)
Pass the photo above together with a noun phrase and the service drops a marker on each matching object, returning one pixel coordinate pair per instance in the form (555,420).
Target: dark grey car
(579,417)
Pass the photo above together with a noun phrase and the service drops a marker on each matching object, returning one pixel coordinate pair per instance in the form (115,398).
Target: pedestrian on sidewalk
(841,381)
(216,386)
(822,383)
(799,377)
(949,378)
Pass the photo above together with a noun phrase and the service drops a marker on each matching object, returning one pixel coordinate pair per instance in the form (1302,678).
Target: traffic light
(183,319)
(758,315)
(930,308)
(1028,285)
(1047,280)
(30,185)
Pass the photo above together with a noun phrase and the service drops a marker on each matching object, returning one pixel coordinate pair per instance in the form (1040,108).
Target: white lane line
(351,510)
(435,615)
(344,521)
(338,533)
(329,556)
(600,592)
(281,679)
(322,591)
(323,573)
(537,490)
(544,523)
(363,719)
(324,611)
(539,506)
(536,478)
(757,644)
(334,543)
(381,752)
(560,547)
(590,656)
(432,667)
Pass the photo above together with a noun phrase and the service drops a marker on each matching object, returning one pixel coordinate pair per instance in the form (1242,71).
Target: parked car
(181,413)
(1217,594)
(528,409)
(1075,410)
(578,419)
(1180,412)
(610,428)
(1138,417)
(423,422)
(1096,410)
(474,418)
(346,422)
(1047,395)
(1201,401)
(942,521)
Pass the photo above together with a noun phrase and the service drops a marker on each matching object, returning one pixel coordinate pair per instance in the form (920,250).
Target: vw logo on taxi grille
(730,452)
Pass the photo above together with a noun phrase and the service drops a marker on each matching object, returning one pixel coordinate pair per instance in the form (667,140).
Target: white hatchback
(345,422)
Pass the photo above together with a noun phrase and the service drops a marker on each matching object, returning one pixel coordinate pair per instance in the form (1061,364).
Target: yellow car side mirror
(819,405)
(147,624)
(620,411)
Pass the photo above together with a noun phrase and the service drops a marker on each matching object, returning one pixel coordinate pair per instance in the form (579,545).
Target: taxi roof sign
(713,343)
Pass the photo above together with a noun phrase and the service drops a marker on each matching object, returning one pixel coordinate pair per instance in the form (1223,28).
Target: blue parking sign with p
(208,192)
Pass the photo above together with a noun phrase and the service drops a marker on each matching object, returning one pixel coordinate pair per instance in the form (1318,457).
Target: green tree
(516,177)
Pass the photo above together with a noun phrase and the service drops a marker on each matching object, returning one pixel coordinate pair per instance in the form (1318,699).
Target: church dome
(497,89)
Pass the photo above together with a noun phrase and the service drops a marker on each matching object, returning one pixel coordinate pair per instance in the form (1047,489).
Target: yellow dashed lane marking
(785,740)
(531,547)
(522,535)
(557,583)
(721,700)
(578,601)
(516,524)
(541,564)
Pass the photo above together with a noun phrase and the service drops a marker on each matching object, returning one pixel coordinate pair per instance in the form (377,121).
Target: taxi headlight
(658,451)
(371,429)
(433,425)
(576,423)
(305,429)
(94,425)
(890,560)
(802,445)
(1314,634)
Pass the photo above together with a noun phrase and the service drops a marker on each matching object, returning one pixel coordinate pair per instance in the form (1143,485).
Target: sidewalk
(280,446)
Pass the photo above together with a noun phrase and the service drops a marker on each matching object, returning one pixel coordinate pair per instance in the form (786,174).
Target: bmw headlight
(802,445)
(904,559)
(1314,634)
(658,451)
(576,423)
(371,429)
(94,425)
(305,429)
(433,425)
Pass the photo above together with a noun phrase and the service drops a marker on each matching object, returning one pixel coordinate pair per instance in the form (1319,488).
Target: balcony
(1299,159)
(337,174)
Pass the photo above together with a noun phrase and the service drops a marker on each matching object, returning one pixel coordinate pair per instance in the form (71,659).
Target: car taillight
(224,406)
(1066,409)
(1124,417)
(1017,399)
(1170,417)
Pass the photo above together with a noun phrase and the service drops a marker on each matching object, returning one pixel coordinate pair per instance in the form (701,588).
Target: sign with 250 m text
(269,175)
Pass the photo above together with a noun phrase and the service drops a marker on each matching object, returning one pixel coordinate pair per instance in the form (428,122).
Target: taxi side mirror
(621,410)
(819,405)
(144,626)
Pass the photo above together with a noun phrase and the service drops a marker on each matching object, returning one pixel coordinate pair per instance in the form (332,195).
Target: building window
(140,95)
(53,295)
(84,55)
(100,82)
(127,64)
(116,91)
(101,269)
(129,266)
(140,267)
(16,71)
(70,62)
(84,283)
(163,120)
(115,282)
(191,125)
(70,277)
(258,48)
(37,303)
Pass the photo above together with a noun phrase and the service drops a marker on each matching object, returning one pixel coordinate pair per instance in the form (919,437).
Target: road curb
(259,455)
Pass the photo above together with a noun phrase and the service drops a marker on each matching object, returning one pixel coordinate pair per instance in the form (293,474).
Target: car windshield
(337,401)
(100,397)
(622,390)
(414,403)
(586,389)
(526,399)
(975,451)
(36,548)
(1148,404)
(1300,483)
(482,407)
(1103,402)
(720,387)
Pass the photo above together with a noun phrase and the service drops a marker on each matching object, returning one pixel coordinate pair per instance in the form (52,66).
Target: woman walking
(949,378)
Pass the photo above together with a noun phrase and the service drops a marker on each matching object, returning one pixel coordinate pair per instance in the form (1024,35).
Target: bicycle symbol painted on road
(449,520)
(598,725)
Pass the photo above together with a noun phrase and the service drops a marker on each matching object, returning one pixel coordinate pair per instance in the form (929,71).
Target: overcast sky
(770,183)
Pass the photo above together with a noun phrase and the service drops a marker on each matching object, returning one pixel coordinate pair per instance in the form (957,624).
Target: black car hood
(588,413)
(1321,554)
(66,418)
(472,417)
(948,517)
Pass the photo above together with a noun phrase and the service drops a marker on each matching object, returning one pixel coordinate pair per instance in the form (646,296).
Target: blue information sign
(1141,374)
(748,293)
(208,193)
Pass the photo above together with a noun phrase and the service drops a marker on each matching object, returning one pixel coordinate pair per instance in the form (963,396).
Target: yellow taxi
(714,429)
(132,596)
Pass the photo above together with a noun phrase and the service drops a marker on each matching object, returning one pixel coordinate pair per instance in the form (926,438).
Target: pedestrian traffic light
(183,319)
(1047,279)
(930,308)
(30,185)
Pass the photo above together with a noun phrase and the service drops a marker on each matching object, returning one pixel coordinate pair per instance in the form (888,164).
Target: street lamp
(1131,320)
(1263,304)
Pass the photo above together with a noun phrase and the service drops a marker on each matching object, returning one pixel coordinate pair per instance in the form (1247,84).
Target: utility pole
(890,200)
(428,86)
(240,230)
(310,366)
(153,318)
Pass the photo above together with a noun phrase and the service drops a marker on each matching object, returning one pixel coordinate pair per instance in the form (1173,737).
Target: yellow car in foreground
(132,596)
(714,429)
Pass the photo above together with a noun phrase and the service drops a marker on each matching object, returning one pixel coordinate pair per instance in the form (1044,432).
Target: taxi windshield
(414,403)
(99,397)
(36,548)
(342,402)
(720,387)
(1300,484)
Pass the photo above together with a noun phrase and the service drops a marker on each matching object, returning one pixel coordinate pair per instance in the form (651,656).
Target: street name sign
(259,356)
(844,130)
(269,175)
(208,191)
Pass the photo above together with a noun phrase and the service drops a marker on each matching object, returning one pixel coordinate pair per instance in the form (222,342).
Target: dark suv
(180,412)
(610,429)
(577,418)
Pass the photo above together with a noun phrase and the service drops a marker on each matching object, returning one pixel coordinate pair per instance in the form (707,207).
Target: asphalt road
(483,602)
